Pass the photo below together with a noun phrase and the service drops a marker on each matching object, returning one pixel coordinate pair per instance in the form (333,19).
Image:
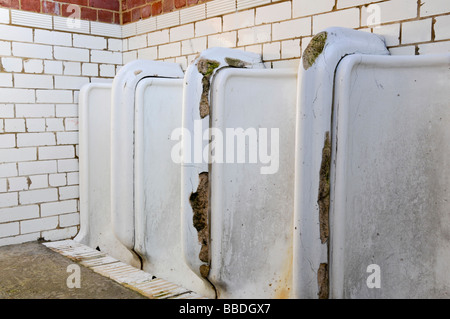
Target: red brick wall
(133,10)
(110,11)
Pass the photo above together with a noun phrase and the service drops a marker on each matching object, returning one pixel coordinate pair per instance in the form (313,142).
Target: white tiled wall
(281,30)
(41,71)
(44,61)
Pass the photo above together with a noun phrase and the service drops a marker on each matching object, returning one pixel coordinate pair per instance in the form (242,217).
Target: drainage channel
(124,274)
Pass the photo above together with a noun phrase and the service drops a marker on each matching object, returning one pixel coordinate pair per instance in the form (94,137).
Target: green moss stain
(206,68)
(314,49)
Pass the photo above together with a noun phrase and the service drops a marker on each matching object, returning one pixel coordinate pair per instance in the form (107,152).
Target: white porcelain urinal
(372,174)
(313,138)
(390,212)
(238,174)
(157,185)
(95,169)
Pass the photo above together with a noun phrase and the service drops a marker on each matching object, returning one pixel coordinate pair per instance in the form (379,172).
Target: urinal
(371,210)
(390,212)
(238,174)
(95,169)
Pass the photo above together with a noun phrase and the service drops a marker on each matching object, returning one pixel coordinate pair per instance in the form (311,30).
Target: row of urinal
(237,181)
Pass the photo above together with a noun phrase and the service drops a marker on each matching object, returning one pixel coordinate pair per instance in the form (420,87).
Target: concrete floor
(33,271)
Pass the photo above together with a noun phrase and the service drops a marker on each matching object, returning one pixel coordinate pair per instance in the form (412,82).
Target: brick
(71,54)
(31,5)
(273,13)
(209,26)
(88,41)
(33,66)
(6,110)
(182,32)
(35,110)
(38,167)
(66,110)
(35,139)
(50,7)
(52,37)
(67,165)
(8,170)
(150,53)
(391,33)
(442,27)
(3,187)
(56,152)
(5,48)
(416,31)
(53,67)
(105,16)
(89,69)
(60,233)
(6,80)
(71,68)
(239,20)
(4,16)
(434,48)
(13,33)
(13,95)
(17,184)
(7,141)
(107,70)
(70,82)
(38,196)
(432,7)
(137,42)
(14,125)
(29,50)
(169,50)
(114,45)
(348,18)
(390,11)
(57,180)
(67,138)
(302,8)
(19,213)
(291,29)
(254,35)
(54,96)
(35,125)
(290,49)
(69,220)
(73,178)
(12,64)
(88,14)
(113,5)
(8,199)
(353,3)
(17,154)
(106,57)
(195,45)
(56,208)
(225,39)
(9,229)
(33,225)
(36,81)
(158,37)
(68,192)
(38,181)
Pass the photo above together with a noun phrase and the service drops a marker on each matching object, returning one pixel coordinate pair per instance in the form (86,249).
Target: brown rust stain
(322,281)
(200,206)
(323,199)
(206,68)
(283,287)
